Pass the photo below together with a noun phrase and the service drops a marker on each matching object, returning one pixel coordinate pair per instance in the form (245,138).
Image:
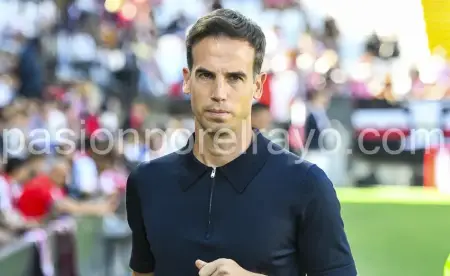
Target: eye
(235,78)
(205,76)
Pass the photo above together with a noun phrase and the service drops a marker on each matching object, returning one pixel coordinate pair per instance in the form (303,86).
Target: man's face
(221,83)
(23,174)
(37,166)
(60,173)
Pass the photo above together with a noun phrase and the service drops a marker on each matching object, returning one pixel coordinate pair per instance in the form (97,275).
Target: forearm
(77,208)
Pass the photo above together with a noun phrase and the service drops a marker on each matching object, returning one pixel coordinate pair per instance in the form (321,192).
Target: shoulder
(304,184)
(304,175)
(156,168)
(164,163)
(41,185)
(282,159)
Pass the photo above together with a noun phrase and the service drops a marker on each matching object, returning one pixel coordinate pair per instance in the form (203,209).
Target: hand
(106,208)
(221,267)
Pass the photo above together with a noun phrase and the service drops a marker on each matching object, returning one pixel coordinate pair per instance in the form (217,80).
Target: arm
(322,242)
(13,221)
(68,205)
(142,261)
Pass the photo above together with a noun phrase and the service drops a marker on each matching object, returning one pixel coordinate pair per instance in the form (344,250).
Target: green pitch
(397,231)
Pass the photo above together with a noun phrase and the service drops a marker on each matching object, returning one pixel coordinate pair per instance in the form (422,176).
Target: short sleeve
(141,260)
(322,242)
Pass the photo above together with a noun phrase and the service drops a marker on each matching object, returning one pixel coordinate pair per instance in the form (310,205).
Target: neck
(215,150)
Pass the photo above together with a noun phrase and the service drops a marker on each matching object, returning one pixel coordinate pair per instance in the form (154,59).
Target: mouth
(217,114)
(217,111)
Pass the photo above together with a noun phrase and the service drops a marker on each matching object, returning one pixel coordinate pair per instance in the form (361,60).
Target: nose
(220,91)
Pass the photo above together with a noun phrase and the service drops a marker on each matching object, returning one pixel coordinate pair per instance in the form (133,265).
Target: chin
(215,126)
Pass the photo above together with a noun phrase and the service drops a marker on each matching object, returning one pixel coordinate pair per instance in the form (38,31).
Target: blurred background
(361,88)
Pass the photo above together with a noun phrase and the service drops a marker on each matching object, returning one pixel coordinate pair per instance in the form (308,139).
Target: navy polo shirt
(266,210)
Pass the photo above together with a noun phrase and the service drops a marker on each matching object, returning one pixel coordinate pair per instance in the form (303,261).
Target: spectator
(112,179)
(158,144)
(317,119)
(84,171)
(46,195)
(316,123)
(135,148)
(30,71)
(261,117)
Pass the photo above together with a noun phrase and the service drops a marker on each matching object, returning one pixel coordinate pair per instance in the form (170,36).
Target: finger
(208,269)
(199,264)
(220,271)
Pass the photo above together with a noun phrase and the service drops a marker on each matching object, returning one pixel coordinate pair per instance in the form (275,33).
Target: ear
(186,79)
(259,82)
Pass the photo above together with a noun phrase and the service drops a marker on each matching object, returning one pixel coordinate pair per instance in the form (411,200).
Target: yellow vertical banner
(436,14)
(447,267)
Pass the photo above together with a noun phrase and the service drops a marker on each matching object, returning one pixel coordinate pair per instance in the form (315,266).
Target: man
(317,120)
(229,204)
(316,124)
(261,117)
(84,171)
(45,195)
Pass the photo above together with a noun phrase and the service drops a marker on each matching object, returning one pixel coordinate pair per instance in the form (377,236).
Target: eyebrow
(237,74)
(203,70)
(240,74)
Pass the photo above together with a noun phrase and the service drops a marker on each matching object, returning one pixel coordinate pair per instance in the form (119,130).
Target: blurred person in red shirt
(45,195)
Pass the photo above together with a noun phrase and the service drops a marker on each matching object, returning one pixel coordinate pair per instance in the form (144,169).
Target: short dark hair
(13,164)
(36,156)
(229,23)
(257,107)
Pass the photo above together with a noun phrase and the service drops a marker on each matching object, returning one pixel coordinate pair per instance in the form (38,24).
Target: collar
(239,172)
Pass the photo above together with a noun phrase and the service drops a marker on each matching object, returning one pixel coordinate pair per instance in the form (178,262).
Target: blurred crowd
(89,65)
(68,81)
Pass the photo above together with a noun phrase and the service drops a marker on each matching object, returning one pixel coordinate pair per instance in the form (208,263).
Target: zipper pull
(213,173)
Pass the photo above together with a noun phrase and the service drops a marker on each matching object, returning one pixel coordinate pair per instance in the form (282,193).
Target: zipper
(211,194)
